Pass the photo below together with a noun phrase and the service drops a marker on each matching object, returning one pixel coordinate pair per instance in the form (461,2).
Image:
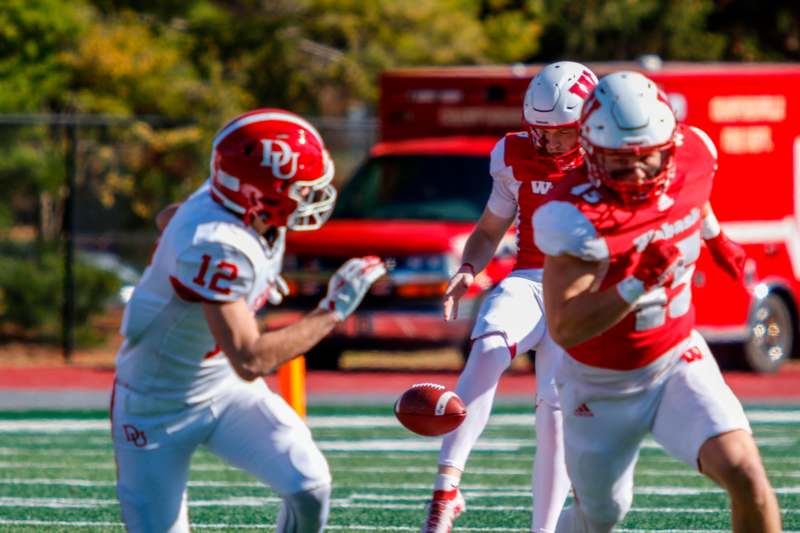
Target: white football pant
(681,399)
(249,427)
(511,321)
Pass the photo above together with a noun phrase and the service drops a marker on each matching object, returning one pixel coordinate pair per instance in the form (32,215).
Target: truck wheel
(772,335)
(324,356)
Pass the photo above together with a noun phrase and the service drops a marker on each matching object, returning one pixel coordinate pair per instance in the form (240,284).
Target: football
(429,409)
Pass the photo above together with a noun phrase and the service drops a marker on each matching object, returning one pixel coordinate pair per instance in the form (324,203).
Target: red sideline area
(749,387)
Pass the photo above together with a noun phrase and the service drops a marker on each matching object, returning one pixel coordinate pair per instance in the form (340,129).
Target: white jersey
(504,198)
(205,254)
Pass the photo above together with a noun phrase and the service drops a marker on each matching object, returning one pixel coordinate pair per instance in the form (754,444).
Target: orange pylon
(292,379)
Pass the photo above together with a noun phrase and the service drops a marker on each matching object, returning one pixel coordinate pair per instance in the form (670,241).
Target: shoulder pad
(498,167)
(712,149)
(213,271)
(561,229)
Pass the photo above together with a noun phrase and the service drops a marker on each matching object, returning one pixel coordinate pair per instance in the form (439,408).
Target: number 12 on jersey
(223,271)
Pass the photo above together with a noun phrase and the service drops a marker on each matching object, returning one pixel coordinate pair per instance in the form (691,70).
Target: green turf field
(57,474)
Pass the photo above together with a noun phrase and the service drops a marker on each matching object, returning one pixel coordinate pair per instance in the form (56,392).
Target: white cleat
(442,510)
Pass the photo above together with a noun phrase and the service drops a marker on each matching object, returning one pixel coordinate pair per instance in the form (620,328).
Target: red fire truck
(416,197)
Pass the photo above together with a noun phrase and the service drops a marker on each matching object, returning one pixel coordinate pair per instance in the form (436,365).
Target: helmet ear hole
(248,148)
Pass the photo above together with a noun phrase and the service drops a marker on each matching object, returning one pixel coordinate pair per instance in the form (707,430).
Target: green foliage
(33,33)
(196,63)
(31,285)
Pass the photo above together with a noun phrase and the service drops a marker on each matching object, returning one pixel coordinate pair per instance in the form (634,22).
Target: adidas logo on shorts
(583,410)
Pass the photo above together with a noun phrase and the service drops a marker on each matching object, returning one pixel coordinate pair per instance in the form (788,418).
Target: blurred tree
(513,28)
(33,33)
(369,37)
(196,63)
(759,30)
(34,78)
(625,29)
(129,65)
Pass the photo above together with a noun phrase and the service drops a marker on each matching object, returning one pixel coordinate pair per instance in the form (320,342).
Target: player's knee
(493,344)
(576,519)
(305,511)
(744,477)
(142,514)
(734,462)
(604,515)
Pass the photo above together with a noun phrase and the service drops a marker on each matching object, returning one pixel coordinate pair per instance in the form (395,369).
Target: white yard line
(221,467)
(337,503)
(61,425)
(337,527)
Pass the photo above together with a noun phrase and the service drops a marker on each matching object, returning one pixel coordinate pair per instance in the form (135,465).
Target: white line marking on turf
(60,425)
(387,470)
(329,527)
(336,527)
(421,445)
(339,503)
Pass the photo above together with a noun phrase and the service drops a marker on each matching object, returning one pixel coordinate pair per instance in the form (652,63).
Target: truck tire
(773,333)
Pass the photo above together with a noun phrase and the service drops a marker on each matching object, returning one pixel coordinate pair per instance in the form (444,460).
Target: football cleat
(443,509)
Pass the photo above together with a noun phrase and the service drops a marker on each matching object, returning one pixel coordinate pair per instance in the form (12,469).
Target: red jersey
(582,221)
(522,179)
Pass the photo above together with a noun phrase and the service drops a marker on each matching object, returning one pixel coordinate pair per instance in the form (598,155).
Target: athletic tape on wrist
(630,289)
(709,228)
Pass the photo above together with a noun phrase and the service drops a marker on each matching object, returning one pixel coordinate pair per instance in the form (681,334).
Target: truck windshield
(417,187)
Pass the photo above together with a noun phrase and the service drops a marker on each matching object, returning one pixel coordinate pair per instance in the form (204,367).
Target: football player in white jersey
(524,165)
(187,373)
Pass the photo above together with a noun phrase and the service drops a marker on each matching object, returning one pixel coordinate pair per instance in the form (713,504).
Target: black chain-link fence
(76,219)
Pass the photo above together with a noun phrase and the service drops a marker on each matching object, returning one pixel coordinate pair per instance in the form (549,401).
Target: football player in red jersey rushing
(621,240)
(524,166)
(186,375)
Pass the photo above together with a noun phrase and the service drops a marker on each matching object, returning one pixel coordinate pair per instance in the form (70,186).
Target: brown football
(430,409)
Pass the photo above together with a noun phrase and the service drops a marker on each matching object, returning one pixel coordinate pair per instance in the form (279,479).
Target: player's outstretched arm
(576,313)
(478,251)
(252,353)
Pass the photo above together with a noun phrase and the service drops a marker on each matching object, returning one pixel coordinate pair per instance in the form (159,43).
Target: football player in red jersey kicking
(621,241)
(524,166)
(187,372)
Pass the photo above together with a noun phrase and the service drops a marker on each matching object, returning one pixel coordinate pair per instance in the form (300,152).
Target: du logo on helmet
(278,154)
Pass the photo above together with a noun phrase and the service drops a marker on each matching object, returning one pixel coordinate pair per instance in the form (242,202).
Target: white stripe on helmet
(258,117)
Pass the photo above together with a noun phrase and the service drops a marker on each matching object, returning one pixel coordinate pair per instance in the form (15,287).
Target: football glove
(278,291)
(728,255)
(657,264)
(656,267)
(350,283)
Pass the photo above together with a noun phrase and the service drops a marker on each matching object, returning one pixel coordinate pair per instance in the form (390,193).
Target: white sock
(477,384)
(446,482)
(550,481)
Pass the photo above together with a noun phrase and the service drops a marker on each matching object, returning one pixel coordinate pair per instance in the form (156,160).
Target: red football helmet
(273,164)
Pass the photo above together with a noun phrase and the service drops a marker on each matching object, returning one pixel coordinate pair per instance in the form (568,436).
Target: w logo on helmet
(584,84)
(276,155)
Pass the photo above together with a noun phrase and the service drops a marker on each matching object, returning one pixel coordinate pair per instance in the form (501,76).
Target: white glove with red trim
(350,283)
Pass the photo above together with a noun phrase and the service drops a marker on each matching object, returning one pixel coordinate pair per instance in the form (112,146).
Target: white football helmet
(554,99)
(627,114)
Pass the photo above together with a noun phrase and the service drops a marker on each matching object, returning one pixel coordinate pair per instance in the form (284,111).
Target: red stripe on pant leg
(512,347)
